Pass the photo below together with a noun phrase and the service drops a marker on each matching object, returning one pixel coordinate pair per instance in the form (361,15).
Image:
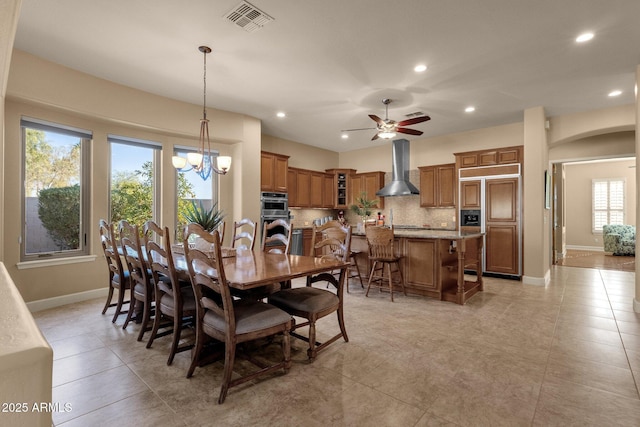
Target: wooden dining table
(251,269)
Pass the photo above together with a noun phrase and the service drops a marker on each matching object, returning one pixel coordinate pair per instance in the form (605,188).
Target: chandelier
(201,162)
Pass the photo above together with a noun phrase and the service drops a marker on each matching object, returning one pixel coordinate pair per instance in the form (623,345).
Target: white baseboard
(47,303)
(586,248)
(537,281)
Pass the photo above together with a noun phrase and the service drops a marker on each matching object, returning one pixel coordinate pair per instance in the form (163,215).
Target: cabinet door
(316,180)
(428,187)
(488,158)
(372,182)
(280,169)
(328,191)
(446,189)
(470,195)
(502,226)
(267,172)
(468,160)
(508,156)
(292,187)
(303,181)
(420,264)
(501,200)
(356,188)
(502,249)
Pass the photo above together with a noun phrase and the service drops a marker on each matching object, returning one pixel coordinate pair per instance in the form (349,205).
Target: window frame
(608,209)
(86,139)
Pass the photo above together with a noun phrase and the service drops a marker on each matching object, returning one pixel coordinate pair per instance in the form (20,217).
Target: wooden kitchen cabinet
(498,156)
(292,187)
(370,183)
(300,180)
(316,186)
(470,195)
(421,266)
(438,186)
(342,189)
(328,190)
(307,233)
(274,172)
(502,233)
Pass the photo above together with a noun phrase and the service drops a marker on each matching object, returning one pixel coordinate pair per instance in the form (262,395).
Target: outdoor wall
(578,199)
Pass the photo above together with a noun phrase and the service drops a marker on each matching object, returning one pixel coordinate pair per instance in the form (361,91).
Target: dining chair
(354,270)
(244,234)
(273,242)
(383,255)
(312,303)
(221,317)
(174,298)
(141,281)
(119,278)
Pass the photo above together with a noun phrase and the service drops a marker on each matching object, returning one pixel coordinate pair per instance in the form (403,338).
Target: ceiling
(328,64)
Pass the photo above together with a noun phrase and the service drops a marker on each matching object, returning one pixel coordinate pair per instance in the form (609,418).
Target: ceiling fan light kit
(387,128)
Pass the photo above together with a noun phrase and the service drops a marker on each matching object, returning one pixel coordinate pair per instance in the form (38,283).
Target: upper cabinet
(342,188)
(273,172)
(438,186)
(369,183)
(498,156)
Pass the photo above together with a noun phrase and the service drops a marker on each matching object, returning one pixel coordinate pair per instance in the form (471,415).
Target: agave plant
(209,219)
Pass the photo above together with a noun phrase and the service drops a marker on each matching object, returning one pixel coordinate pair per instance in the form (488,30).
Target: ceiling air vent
(416,114)
(248,17)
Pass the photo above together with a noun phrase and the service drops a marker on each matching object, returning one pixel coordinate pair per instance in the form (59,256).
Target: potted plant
(209,219)
(363,207)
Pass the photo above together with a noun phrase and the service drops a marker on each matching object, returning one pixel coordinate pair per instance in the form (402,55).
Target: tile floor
(564,354)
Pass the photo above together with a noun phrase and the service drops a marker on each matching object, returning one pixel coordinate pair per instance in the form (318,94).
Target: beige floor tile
(631,328)
(82,365)
(565,403)
(587,333)
(75,345)
(589,350)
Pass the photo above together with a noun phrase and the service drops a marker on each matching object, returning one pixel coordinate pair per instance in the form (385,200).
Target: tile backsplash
(406,211)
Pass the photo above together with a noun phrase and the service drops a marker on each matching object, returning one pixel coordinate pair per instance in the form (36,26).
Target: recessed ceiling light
(420,68)
(470,109)
(615,93)
(585,37)
(281,114)
(344,136)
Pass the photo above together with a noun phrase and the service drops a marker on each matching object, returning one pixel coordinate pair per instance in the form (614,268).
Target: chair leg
(401,279)
(177,331)
(132,309)
(373,270)
(154,330)
(311,352)
(121,293)
(108,303)
(229,358)
(286,350)
(195,356)
(343,329)
(390,277)
(355,263)
(145,319)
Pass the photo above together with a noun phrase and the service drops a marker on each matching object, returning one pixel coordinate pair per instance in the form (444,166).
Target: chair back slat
(380,241)
(244,234)
(278,238)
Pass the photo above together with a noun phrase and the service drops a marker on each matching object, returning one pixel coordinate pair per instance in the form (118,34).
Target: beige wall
(43,90)
(578,198)
(301,155)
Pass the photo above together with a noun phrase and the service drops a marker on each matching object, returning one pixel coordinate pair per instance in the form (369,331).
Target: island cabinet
(433,262)
(273,172)
(438,186)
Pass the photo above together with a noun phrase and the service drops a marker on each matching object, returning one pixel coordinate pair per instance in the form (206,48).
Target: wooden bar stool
(383,254)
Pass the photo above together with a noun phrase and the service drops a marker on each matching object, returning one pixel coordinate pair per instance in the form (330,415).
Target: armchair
(619,239)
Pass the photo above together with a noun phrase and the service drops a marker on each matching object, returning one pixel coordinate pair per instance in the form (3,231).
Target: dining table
(246,269)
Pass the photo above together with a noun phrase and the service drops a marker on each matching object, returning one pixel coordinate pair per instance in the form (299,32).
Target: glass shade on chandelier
(385,134)
(201,161)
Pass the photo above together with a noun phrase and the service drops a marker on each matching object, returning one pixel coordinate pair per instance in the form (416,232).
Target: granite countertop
(425,233)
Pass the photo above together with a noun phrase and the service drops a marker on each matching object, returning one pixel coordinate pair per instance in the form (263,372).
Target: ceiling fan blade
(374,137)
(414,121)
(377,119)
(349,130)
(409,131)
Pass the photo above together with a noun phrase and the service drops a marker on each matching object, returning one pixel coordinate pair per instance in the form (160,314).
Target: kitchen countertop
(423,233)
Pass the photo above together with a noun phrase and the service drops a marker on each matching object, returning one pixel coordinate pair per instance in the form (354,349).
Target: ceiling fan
(388,128)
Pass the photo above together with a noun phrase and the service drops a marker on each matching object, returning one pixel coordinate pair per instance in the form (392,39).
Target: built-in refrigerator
(490,200)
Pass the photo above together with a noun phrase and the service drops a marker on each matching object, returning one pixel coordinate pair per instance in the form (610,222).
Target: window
(608,202)
(55,192)
(134,192)
(190,186)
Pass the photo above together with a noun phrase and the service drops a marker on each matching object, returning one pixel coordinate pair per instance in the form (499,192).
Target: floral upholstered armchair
(619,239)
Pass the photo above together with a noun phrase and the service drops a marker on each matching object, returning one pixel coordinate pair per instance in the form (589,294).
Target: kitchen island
(434,261)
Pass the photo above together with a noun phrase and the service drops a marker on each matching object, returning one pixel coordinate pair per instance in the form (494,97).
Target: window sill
(55,261)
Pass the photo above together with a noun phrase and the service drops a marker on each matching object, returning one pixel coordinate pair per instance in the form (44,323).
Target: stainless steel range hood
(399,185)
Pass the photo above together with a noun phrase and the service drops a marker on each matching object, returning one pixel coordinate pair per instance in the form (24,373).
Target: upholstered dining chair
(225,319)
(119,278)
(312,303)
(383,255)
(173,297)
(141,282)
(244,234)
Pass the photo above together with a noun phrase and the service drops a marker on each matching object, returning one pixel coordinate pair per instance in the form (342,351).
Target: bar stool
(383,254)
